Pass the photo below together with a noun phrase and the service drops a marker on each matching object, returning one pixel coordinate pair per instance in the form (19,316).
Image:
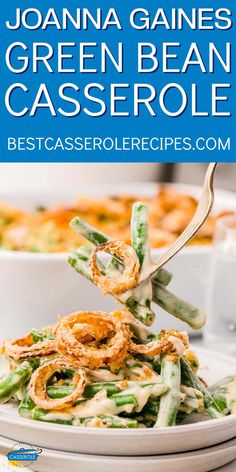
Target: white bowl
(130,442)
(34,287)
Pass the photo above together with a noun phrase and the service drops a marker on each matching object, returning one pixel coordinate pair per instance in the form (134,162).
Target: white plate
(138,442)
(197,461)
(34,288)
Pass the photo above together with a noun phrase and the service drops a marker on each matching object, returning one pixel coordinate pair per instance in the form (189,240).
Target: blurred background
(42,286)
(62,177)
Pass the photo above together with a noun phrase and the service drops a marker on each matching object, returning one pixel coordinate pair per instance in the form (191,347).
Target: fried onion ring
(40,378)
(25,347)
(170,342)
(126,279)
(69,338)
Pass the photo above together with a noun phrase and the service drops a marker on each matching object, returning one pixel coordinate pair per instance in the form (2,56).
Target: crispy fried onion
(126,279)
(25,347)
(170,342)
(82,346)
(40,378)
(124,316)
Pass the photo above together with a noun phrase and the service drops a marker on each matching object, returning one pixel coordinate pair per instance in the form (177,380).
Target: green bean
(170,401)
(111,388)
(96,237)
(109,421)
(116,422)
(141,312)
(114,390)
(26,406)
(121,400)
(145,419)
(193,401)
(139,231)
(172,304)
(113,265)
(224,393)
(12,381)
(163,277)
(156,364)
(181,416)
(191,379)
(59,391)
(140,301)
(88,232)
(152,407)
(79,260)
(132,398)
(136,368)
(221,400)
(68,418)
(53,416)
(128,400)
(182,310)
(39,336)
(141,333)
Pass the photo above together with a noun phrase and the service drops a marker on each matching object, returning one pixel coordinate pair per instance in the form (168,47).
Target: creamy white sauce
(20,394)
(100,404)
(147,268)
(139,293)
(95,423)
(193,399)
(55,415)
(137,370)
(104,375)
(139,330)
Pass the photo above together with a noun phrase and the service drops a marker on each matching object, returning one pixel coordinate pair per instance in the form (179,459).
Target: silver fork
(202,211)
